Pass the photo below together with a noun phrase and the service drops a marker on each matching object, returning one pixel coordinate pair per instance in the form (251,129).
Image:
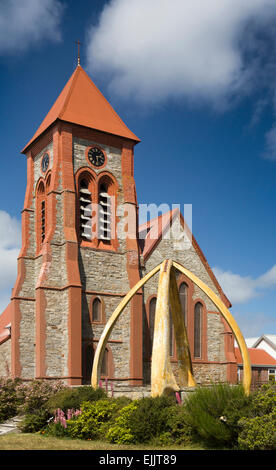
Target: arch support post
(162,378)
(186,378)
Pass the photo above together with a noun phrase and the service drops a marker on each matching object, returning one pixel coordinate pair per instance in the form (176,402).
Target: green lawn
(23,441)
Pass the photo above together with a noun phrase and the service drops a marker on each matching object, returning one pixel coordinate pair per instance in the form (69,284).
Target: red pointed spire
(81,102)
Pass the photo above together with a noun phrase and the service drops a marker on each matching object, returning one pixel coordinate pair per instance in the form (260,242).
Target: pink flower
(178,398)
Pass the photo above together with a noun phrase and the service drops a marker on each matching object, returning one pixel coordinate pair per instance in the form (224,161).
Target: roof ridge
(70,91)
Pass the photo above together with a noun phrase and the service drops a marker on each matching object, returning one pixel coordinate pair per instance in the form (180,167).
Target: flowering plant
(62,418)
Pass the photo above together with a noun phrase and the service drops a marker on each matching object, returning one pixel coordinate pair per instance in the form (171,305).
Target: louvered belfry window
(85,199)
(197,329)
(104,232)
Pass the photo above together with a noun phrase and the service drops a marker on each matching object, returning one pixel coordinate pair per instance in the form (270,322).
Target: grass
(21,441)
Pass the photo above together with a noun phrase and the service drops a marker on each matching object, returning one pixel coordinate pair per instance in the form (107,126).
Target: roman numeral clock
(96,156)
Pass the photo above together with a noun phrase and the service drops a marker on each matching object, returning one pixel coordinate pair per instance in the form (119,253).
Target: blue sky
(197,84)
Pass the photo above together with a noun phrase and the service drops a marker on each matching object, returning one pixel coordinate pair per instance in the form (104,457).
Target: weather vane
(78,44)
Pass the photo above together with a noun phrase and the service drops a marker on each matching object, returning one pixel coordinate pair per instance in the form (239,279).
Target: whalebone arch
(162,377)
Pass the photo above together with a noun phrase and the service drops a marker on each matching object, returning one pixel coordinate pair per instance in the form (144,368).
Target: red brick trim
(4,339)
(96,340)
(97,293)
(229,349)
(43,140)
(32,299)
(102,138)
(15,348)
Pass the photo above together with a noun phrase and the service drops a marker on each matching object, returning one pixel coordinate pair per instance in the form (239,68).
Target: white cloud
(253,324)
(10,240)
(241,289)
(237,288)
(157,49)
(24,23)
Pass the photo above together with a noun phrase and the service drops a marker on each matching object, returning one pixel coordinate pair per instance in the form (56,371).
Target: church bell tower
(77,261)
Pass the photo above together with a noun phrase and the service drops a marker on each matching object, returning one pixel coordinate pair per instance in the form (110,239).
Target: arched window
(198,330)
(104,368)
(183,295)
(85,205)
(152,307)
(104,232)
(43,220)
(41,214)
(96,310)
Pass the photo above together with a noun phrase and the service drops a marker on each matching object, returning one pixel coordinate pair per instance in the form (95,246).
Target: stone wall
(5,359)
(213,368)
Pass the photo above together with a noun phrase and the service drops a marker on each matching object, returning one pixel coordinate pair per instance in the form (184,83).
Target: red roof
(258,357)
(81,102)
(5,319)
(150,233)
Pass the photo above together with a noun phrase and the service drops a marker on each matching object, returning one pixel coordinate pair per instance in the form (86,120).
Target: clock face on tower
(96,156)
(45,162)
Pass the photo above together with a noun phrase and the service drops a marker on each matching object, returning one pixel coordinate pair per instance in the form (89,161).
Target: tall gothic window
(104,368)
(43,218)
(40,214)
(85,204)
(152,307)
(183,294)
(198,329)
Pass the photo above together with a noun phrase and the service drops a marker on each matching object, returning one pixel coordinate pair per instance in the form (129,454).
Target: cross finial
(78,44)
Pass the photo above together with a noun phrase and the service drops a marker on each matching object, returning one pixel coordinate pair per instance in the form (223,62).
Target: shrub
(71,398)
(34,422)
(214,412)
(179,430)
(33,396)
(9,399)
(258,430)
(156,420)
(258,433)
(150,419)
(94,420)
(264,400)
(120,432)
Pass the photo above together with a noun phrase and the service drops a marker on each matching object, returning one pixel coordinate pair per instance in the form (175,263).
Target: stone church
(78,260)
